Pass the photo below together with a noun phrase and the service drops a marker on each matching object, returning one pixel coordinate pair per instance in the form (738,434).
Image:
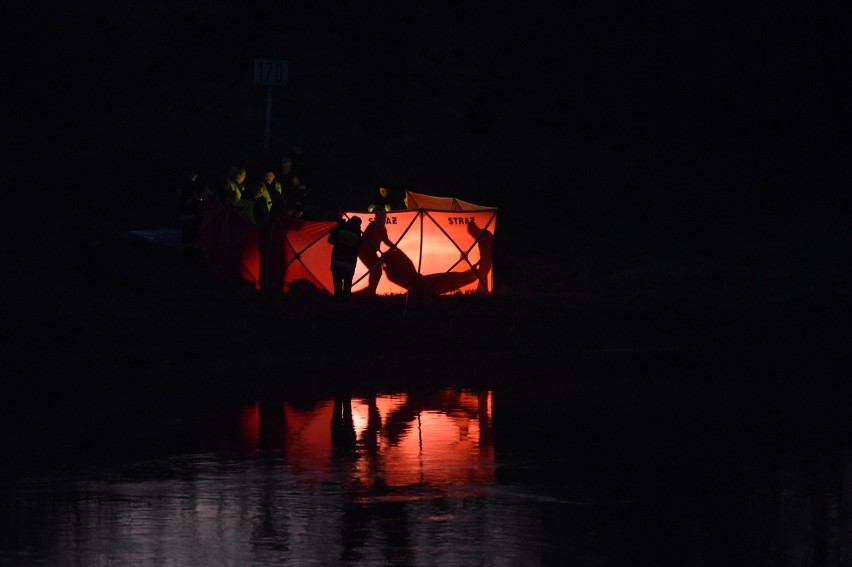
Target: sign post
(270,73)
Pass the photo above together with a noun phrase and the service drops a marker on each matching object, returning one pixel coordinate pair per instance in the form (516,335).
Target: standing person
(485,240)
(300,164)
(271,189)
(346,238)
(286,175)
(262,204)
(296,192)
(264,194)
(370,252)
(234,185)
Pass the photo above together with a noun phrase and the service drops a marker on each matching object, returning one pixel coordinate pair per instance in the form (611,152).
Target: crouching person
(346,238)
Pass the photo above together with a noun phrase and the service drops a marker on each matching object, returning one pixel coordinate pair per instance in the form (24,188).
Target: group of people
(280,189)
(351,244)
(283,190)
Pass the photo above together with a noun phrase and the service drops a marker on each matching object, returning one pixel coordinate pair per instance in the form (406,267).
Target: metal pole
(268,116)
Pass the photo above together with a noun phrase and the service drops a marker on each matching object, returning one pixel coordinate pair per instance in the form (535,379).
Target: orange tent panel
(444,248)
(421,201)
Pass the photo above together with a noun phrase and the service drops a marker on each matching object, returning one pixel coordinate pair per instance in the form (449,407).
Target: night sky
(716,125)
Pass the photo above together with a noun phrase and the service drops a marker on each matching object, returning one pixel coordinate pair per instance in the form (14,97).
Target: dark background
(671,252)
(554,109)
(687,154)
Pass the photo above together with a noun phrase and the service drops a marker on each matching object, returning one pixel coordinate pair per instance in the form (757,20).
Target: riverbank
(116,334)
(123,307)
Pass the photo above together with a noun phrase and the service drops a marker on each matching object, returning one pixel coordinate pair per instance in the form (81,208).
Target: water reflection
(378,478)
(378,443)
(458,477)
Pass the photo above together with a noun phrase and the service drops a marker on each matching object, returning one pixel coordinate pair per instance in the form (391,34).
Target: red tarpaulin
(439,245)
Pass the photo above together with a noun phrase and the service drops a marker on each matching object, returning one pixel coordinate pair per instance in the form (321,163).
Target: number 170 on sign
(270,72)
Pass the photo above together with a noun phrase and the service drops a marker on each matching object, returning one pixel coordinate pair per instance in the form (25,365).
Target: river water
(656,465)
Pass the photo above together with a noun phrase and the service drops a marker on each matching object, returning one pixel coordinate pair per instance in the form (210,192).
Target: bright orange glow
(389,403)
(360,416)
(438,450)
(433,251)
(443,440)
(415,250)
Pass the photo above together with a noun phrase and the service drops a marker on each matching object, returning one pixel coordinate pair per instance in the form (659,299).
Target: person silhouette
(295,190)
(485,241)
(370,252)
(346,238)
(400,270)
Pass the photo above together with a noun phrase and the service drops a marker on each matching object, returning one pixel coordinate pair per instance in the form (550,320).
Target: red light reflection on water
(393,440)
(250,422)
(307,437)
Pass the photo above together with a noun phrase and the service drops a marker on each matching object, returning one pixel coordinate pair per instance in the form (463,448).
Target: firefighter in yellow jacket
(233,189)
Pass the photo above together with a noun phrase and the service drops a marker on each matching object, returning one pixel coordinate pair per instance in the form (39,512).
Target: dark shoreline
(139,332)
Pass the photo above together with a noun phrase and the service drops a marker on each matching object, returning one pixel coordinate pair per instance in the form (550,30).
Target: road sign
(270,72)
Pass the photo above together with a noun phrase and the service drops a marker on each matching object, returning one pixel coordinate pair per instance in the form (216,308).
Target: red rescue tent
(439,245)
